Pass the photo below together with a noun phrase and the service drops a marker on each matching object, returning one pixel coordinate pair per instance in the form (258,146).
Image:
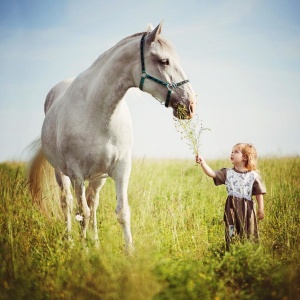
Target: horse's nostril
(191,109)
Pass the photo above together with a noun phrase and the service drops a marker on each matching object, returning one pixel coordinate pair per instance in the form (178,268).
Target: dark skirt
(240,220)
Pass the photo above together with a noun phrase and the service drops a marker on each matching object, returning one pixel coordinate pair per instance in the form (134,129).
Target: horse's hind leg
(69,201)
(83,207)
(66,198)
(92,193)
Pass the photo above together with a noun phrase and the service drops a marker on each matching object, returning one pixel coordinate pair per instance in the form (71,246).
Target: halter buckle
(171,87)
(174,85)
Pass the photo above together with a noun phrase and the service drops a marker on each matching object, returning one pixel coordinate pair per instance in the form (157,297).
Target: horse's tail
(41,180)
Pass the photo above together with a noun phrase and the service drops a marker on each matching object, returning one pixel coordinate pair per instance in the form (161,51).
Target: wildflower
(79,218)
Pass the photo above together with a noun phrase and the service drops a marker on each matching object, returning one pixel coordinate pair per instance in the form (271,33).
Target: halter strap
(170,86)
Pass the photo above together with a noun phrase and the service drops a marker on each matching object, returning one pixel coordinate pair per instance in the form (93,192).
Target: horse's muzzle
(184,111)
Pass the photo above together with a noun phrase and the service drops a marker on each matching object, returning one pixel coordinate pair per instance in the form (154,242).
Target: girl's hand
(260,214)
(199,159)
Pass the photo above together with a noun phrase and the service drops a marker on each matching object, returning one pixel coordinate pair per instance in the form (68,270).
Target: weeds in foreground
(178,235)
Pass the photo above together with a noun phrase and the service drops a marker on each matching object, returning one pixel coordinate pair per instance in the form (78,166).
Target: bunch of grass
(190,129)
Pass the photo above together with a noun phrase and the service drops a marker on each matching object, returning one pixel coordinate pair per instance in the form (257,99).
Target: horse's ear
(153,36)
(149,27)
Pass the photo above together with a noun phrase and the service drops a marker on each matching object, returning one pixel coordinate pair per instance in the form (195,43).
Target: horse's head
(162,75)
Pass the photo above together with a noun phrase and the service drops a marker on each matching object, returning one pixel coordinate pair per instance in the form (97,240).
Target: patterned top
(240,184)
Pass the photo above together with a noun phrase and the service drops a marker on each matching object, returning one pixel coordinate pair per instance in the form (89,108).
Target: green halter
(170,86)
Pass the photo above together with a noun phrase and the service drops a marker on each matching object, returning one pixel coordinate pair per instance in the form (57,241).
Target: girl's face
(237,157)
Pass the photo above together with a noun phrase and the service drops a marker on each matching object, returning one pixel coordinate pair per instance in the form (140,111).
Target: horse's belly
(83,156)
(102,160)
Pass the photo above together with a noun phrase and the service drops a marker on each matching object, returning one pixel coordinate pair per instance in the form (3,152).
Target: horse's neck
(110,76)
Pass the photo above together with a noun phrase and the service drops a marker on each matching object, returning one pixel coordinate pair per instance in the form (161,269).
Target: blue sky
(242,57)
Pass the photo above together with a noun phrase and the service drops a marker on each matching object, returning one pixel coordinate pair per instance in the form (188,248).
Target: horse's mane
(134,35)
(165,45)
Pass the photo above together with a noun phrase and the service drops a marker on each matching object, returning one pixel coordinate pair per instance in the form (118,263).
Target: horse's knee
(123,215)
(66,201)
(69,202)
(86,213)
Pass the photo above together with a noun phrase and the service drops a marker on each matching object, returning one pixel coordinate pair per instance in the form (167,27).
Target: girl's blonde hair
(250,154)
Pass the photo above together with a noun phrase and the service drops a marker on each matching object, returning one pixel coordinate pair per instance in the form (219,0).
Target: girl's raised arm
(206,168)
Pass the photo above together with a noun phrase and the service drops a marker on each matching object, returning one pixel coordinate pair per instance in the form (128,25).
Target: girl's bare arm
(206,168)
(260,203)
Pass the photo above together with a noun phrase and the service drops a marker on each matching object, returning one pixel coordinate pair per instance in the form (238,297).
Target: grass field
(178,237)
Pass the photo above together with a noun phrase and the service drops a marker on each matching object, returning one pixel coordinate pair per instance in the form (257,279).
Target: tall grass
(178,235)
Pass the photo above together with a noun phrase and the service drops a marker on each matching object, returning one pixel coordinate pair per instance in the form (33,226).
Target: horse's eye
(165,62)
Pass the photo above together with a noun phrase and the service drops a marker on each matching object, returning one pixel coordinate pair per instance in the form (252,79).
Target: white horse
(87,131)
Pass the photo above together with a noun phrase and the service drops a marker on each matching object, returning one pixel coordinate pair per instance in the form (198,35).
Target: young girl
(242,181)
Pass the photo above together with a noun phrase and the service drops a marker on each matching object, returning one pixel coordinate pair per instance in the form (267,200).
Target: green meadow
(178,232)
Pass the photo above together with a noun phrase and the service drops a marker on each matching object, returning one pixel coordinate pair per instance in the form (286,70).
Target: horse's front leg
(123,216)
(123,209)
(92,193)
(84,210)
